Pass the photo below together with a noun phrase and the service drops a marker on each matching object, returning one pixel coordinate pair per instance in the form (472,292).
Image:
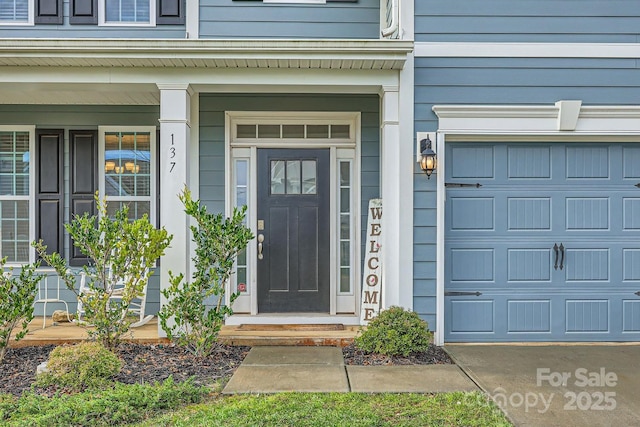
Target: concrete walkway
(322,369)
(558,385)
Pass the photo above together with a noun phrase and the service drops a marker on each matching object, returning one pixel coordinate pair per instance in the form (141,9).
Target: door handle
(260,240)
(555,249)
(562,257)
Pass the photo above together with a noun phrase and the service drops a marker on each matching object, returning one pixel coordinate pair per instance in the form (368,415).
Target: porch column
(397,203)
(175,134)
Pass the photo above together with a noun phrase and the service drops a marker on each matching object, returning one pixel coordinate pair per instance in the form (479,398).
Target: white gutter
(393,27)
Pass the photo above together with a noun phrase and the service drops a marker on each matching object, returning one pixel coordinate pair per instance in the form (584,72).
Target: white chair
(44,298)
(136,306)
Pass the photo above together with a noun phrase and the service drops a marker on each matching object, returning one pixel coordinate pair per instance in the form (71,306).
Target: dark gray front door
(293,218)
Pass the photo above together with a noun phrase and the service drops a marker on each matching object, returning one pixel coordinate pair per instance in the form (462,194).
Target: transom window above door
(294,131)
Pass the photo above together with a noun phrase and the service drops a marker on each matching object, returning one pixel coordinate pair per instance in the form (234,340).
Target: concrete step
(288,335)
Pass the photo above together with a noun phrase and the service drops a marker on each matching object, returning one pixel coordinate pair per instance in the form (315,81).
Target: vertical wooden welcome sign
(372,277)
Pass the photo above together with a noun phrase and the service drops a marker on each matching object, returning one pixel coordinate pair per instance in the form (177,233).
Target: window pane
(317,131)
(14,10)
(241,172)
(268,131)
(344,253)
(293,177)
(344,200)
(246,131)
(345,227)
(14,163)
(15,230)
(345,173)
(309,177)
(277,177)
(127,11)
(339,131)
(345,279)
(293,131)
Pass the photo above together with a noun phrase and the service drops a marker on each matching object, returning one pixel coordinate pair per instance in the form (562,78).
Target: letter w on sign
(372,277)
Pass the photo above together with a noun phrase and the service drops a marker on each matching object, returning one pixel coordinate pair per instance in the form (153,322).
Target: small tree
(218,243)
(121,251)
(17,294)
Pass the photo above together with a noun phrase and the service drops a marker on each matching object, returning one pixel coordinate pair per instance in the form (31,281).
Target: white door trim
(340,148)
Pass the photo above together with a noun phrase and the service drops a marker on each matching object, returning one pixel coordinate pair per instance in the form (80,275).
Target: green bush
(394,332)
(17,294)
(186,317)
(88,365)
(124,404)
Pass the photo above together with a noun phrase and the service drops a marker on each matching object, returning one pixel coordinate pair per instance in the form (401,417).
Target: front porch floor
(249,335)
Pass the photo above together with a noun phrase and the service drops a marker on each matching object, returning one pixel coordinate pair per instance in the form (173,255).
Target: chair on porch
(117,286)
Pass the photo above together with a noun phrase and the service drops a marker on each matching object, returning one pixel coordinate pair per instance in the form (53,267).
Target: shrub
(218,241)
(121,405)
(17,294)
(87,365)
(119,251)
(394,332)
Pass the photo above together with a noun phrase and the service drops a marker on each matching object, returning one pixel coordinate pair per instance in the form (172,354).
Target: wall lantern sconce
(427,157)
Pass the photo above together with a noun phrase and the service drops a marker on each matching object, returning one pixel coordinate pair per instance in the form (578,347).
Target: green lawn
(339,409)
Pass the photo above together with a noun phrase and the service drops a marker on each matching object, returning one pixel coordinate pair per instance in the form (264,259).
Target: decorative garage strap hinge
(637,293)
(637,185)
(462,294)
(458,185)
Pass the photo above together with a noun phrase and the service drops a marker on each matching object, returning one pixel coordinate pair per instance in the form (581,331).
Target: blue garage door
(542,242)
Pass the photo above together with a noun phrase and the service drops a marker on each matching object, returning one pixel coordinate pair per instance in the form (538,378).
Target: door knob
(260,240)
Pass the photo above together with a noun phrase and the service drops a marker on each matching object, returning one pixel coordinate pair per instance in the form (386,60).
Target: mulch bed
(142,364)
(151,363)
(433,356)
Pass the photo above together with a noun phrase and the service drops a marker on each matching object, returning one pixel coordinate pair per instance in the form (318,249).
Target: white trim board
(527,50)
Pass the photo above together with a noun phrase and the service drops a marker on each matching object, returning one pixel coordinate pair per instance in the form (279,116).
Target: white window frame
(102,17)
(32,187)
(152,198)
(30,17)
(340,149)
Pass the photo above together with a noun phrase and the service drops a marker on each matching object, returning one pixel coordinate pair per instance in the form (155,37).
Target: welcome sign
(372,278)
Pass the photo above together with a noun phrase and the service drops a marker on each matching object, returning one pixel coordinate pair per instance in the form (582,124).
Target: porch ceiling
(282,54)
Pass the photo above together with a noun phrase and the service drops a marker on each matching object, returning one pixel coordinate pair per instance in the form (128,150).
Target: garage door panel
(587,315)
(631,162)
(587,265)
(529,213)
(472,213)
(529,162)
(472,316)
(587,213)
(472,265)
(631,265)
(529,265)
(631,213)
(631,315)
(529,316)
(477,161)
(587,162)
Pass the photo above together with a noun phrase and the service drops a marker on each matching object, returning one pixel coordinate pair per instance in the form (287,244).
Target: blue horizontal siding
(225,19)
(528,21)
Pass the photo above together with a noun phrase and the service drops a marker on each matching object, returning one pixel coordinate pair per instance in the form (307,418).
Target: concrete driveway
(558,385)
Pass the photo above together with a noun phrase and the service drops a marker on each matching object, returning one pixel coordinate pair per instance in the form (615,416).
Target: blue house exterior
(305,110)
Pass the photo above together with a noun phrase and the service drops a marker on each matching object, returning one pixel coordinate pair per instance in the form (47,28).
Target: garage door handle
(461,294)
(562,257)
(555,249)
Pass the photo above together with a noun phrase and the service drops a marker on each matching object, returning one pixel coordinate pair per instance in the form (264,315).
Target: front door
(293,230)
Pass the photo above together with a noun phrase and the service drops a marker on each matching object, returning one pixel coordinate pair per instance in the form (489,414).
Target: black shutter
(48,12)
(50,188)
(83,12)
(170,12)
(83,181)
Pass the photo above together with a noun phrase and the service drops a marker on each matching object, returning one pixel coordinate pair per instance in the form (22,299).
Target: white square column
(175,140)
(396,183)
